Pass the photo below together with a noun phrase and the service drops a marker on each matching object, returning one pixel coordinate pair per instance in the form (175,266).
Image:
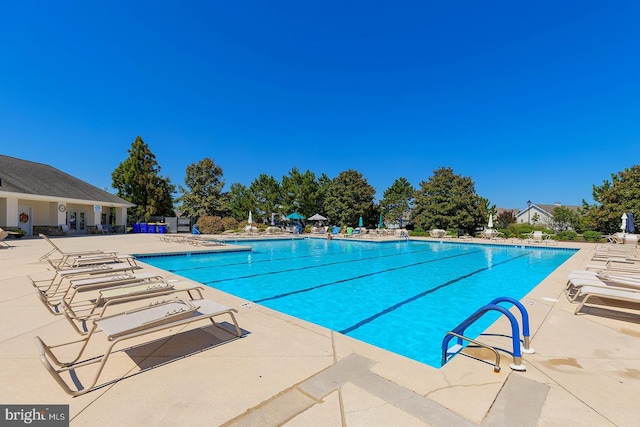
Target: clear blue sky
(533,100)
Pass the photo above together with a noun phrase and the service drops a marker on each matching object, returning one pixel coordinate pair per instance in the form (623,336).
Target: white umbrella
(250,219)
(490,225)
(624,221)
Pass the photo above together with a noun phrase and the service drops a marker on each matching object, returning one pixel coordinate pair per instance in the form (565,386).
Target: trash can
(194,229)
(144,227)
(136,227)
(162,228)
(151,227)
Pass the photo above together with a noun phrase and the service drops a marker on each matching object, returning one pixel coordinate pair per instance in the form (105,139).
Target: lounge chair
(577,281)
(52,300)
(613,294)
(93,260)
(4,235)
(54,285)
(202,241)
(121,327)
(96,308)
(68,255)
(539,237)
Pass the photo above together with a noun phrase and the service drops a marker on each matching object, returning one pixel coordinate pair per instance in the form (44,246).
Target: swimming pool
(401,296)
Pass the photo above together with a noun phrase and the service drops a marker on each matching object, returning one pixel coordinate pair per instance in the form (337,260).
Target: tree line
(445,200)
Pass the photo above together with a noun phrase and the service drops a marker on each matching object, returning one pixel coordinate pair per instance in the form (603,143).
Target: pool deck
(287,372)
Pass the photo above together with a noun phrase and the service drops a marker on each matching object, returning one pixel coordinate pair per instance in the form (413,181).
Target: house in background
(39,198)
(540,214)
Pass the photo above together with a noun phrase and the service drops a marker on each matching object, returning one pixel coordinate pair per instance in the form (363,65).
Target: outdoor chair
(68,255)
(117,328)
(80,314)
(603,295)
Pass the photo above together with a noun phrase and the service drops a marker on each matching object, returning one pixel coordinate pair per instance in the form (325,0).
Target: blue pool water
(401,296)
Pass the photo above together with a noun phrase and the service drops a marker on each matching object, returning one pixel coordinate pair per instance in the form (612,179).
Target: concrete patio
(285,371)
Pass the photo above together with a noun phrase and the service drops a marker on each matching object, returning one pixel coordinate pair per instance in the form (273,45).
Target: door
(77,221)
(25,219)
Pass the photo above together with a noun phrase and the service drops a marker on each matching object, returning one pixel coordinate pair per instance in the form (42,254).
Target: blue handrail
(525,321)
(459,330)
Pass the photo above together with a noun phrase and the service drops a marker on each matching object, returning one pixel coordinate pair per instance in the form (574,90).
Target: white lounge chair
(121,327)
(577,281)
(612,294)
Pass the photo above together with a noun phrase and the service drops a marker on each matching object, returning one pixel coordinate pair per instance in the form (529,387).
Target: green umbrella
(380,224)
(360,223)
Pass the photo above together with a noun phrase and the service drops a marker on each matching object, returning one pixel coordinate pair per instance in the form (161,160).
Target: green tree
(267,195)
(563,218)
(239,201)
(300,193)
(449,201)
(613,198)
(203,195)
(349,197)
(137,180)
(397,200)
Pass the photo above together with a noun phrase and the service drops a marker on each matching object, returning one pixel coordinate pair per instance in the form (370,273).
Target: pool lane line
(307,267)
(265,273)
(362,276)
(282,259)
(423,294)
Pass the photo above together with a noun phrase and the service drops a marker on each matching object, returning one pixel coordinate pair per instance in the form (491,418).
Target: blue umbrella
(295,215)
(380,223)
(631,227)
(360,222)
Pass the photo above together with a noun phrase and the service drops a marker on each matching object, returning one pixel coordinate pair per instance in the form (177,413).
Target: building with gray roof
(39,198)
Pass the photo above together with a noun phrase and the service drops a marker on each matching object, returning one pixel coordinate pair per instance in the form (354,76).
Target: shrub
(229,223)
(567,235)
(418,231)
(210,224)
(592,236)
(506,233)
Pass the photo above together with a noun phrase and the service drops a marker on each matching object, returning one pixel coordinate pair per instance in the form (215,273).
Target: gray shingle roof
(23,176)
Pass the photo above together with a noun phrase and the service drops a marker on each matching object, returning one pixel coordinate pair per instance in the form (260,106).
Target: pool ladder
(458,333)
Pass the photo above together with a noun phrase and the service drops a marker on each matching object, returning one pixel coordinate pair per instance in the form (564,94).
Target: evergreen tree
(240,201)
(203,195)
(397,200)
(300,193)
(613,198)
(349,197)
(137,180)
(267,195)
(449,201)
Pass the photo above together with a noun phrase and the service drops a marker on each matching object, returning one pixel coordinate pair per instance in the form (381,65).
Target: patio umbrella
(250,218)
(317,217)
(631,227)
(360,223)
(490,224)
(380,223)
(624,221)
(294,215)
